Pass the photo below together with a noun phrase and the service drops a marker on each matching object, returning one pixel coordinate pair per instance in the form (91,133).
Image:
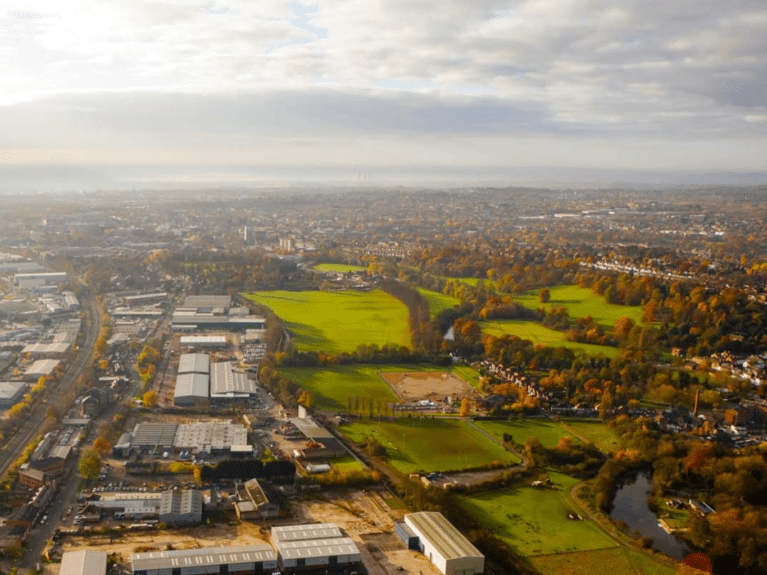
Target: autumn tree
(150,398)
(90,464)
(102,445)
(545,295)
(465,407)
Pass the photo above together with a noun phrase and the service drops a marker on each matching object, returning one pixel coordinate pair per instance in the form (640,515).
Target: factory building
(444,545)
(39,368)
(211,437)
(247,559)
(46,350)
(11,392)
(181,507)
(227,384)
(193,380)
(310,547)
(34,280)
(203,341)
(85,562)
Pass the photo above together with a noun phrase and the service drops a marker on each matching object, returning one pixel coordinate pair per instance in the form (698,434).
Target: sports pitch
(538,333)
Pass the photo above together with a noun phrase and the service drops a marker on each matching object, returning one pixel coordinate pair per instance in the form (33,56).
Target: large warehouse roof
(215,434)
(225,381)
(194,363)
(192,385)
(83,563)
(207,301)
(305,532)
(45,348)
(202,557)
(154,434)
(11,390)
(42,367)
(317,548)
(443,536)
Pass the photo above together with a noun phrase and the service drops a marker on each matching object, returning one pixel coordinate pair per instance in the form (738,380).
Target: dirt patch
(433,385)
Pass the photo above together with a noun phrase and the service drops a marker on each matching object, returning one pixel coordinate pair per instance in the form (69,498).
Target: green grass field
(538,333)
(615,561)
(596,432)
(339,268)
(337,322)
(346,464)
(534,521)
(333,386)
(425,444)
(582,302)
(438,302)
(547,431)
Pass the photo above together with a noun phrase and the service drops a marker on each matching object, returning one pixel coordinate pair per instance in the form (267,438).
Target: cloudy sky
(238,90)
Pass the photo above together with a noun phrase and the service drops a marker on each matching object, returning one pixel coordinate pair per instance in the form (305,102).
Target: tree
(545,295)
(90,464)
(465,407)
(150,398)
(102,445)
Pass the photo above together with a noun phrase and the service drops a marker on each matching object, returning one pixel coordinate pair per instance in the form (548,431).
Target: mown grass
(438,302)
(337,322)
(424,444)
(333,387)
(339,268)
(538,333)
(595,432)
(533,521)
(346,464)
(614,561)
(548,432)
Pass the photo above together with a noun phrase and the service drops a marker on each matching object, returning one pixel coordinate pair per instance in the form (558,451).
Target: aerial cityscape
(376,287)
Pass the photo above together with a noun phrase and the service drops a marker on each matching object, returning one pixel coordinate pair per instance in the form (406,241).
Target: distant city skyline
(111,94)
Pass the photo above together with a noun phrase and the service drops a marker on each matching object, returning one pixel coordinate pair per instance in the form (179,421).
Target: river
(630,505)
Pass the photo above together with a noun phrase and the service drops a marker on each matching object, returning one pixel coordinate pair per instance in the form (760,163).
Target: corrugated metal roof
(317,548)
(203,557)
(84,562)
(441,534)
(192,385)
(194,363)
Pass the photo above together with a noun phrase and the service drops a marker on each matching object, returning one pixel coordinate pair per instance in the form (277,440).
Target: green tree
(90,464)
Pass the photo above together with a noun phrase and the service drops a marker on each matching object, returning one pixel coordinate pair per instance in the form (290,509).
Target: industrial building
(253,501)
(85,562)
(444,545)
(207,302)
(227,384)
(33,280)
(224,560)
(181,507)
(310,547)
(203,341)
(211,437)
(191,320)
(11,392)
(194,363)
(39,368)
(46,350)
(193,380)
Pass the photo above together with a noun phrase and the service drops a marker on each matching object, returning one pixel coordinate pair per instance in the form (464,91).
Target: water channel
(630,505)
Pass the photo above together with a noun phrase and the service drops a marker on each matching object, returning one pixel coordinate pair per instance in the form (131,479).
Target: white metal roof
(84,562)
(202,557)
(194,363)
(192,385)
(441,534)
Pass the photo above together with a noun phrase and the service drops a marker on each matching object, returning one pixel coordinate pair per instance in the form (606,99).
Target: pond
(630,506)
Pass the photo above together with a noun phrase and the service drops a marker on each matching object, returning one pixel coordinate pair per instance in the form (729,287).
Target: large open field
(538,333)
(336,322)
(596,432)
(339,268)
(425,444)
(333,387)
(582,302)
(547,431)
(534,521)
(615,561)
(438,302)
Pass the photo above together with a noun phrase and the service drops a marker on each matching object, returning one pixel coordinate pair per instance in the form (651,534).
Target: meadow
(424,444)
(338,268)
(438,302)
(616,560)
(337,322)
(547,431)
(582,302)
(595,432)
(538,333)
(333,387)
(533,521)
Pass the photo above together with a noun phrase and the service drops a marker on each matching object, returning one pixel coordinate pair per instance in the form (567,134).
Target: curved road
(16,445)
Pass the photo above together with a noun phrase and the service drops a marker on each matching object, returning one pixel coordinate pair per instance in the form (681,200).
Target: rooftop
(442,535)
(202,557)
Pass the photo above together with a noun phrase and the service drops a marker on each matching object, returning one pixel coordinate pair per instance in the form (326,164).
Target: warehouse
(307,547)
(227,384)
(34,280)
(46,350)
(444,545)
(215,437)
(11,392)
(85,562)
(207,301)
(230,560)
(150,436)
(194,363)
(39,368)
(203,341)
(191,388)
(184,320)
(181,507)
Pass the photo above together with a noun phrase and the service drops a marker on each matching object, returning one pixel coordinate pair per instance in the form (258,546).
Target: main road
(31,427)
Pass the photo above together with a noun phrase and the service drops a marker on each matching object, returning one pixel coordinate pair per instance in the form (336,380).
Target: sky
(102,92)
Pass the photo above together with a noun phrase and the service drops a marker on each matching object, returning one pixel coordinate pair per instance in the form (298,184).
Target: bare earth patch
(434,385)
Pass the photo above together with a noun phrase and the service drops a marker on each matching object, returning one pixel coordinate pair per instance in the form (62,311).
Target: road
(31,427)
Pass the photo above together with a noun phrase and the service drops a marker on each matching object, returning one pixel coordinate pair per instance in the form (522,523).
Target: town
(382,381)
